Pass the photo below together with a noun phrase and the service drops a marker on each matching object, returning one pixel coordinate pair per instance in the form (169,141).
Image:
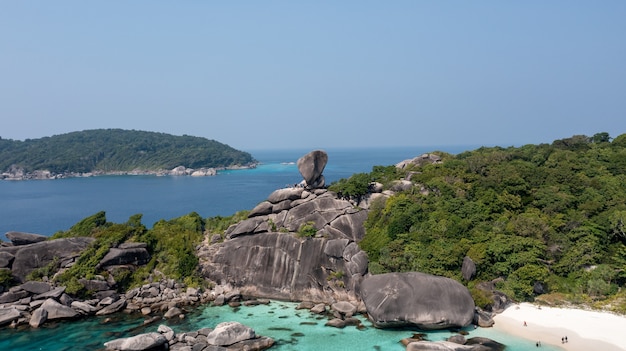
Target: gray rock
(263,208)
(345,308)
(457,339)
(52,294)
(437,346)
(484,344)
(281,265)
(137,343)
(35,287)
(83,308)
(311,167)
(335,248)
(173,312)
(12,296)
(6,259)
(8,315)
(228,333)
(416,299)
(112,308)
(336,323)
(167,332)
(33,256)
(57,311)
(285,194)
(320,308)
(135,255)
(468,270)
(20,238)
(260,343)
(94,285)
(483,319)
(38,317)
(130,245)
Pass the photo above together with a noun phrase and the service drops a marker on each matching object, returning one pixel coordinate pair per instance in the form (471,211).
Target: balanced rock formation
(297,245)
(311,167)
(416,299)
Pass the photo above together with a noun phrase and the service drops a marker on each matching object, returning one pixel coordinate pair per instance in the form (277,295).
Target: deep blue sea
(47,206)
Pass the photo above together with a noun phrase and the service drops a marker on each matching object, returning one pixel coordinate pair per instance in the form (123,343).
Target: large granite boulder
(468,269)
(6,259)
(139,342)
(311,167)
(20,238)
(120,256)
(8,315)
(57,311)
(33,256)
(228,333)
(416,299)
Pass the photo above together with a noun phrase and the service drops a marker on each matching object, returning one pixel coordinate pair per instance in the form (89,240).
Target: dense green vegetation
(109,150)
(551,216)
(171,245)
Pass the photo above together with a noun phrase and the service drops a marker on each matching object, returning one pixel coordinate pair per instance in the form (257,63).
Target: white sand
(585,330)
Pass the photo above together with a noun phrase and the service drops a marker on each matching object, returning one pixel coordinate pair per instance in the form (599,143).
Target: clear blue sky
(277,74)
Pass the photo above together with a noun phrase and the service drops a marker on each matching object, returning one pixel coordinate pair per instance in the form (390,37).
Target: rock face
(416,299)
(121,256)
(468,269)
(33,256)
(311,167)
(265,256)
(19,238)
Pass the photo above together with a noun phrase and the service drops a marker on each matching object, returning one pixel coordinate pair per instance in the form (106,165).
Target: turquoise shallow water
(293,330)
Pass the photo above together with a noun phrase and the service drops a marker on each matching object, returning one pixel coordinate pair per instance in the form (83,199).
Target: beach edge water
(585,330)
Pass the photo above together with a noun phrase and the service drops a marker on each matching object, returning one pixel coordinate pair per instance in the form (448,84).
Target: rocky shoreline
(16,173)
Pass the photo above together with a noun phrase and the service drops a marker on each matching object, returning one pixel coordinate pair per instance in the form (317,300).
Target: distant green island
(115,151)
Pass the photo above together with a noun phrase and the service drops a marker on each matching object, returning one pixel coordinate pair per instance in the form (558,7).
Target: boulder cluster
(298,245)
(35,303)
(225,336)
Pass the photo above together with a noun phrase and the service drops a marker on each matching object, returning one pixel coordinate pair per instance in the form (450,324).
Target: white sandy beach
(585,330)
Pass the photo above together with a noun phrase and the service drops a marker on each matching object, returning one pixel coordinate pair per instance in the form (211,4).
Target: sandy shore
(585,330)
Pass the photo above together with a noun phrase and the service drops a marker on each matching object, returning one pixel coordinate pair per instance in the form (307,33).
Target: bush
(307,230)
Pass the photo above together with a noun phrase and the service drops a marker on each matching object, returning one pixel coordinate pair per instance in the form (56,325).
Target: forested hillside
(108,150)
(549,219)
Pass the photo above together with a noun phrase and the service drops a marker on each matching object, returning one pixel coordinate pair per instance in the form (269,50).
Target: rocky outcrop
(225,336)
(468,269)
(419,161)
(32,256)
(136,254)
(268,255)
(473,344)
(228,333)
(34,303)
(20,238)
(137,343)
(416,299)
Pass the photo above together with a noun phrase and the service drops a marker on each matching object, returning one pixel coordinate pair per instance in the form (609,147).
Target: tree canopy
(544,218)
